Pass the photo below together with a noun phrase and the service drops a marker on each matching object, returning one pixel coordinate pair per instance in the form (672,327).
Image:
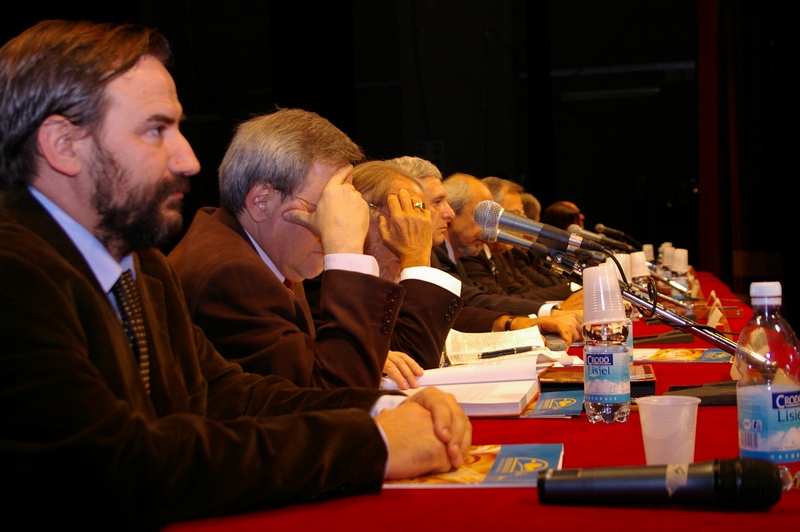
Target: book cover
(680,354)
(509,465)
(556,404)
(643,379)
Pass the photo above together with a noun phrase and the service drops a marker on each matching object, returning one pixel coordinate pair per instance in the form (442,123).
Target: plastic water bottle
(768,389)
(624,260)
(680,271)
(606,356)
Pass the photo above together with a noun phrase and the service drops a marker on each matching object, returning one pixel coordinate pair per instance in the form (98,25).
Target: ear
(60,144)
(259,200)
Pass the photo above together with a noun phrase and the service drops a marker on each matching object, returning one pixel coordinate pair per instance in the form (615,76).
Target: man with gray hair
(509,312)
(464,239)
(514,269)
(289,211)
(118,412)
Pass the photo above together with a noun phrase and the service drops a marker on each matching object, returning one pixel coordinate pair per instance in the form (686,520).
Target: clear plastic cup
(602,297)
(639,265)
(668,428)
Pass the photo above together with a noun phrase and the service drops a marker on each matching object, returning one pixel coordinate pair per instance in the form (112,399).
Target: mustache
(174,184)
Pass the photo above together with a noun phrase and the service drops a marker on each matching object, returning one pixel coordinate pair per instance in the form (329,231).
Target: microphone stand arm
(666,280)
(713,336)
(574,271)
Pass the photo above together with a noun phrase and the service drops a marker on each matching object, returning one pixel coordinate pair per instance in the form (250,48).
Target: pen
(509,351)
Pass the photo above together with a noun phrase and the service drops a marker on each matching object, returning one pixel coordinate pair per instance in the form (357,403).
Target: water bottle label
(629,340)
(769,423)
(606,374)
(682,280)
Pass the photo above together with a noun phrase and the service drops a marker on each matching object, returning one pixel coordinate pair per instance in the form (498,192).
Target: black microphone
(601,239)
(491,217)
(735,483)
(600,228)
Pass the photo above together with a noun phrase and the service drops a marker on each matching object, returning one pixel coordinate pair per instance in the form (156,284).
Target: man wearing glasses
(289,212)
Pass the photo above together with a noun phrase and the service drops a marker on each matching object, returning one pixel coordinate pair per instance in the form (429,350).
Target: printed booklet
(497,466)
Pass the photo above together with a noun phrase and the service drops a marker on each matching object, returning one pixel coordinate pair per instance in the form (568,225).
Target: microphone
(736,483)
(601,239)
(559,263)
(541,251)
(491,217)
(600,228)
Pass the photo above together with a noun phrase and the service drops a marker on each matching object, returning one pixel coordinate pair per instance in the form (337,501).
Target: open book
(466,348)
(495,387)
(494,466)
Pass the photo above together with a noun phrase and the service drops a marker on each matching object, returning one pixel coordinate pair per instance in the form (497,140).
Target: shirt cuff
(352,262)
(433,276)
(385,402)
(545,309)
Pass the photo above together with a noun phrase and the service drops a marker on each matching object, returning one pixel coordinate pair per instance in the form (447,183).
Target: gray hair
(458,190)
(532,206)
(500,187)
(417,167)
(374,180)
(279,149)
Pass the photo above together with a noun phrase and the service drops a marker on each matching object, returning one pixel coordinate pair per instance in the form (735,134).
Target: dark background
(601,102)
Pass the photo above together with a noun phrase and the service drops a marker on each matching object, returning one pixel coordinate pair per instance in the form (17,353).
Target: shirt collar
(265,258)
(105,268)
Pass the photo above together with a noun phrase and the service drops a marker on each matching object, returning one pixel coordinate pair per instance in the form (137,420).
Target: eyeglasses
(417,205)
(310,207)
(380,210)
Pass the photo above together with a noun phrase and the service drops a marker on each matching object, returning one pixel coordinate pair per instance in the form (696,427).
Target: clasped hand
(428,432)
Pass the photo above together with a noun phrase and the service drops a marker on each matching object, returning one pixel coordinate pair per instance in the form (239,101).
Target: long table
(586,445)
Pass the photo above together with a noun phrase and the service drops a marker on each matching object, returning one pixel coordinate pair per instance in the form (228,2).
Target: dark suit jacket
(498,275)
(527,265)
(82,443)
(426,316)
(253,319)
(476,295)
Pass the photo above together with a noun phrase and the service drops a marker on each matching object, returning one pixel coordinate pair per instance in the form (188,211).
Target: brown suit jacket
(82,443)
(426,316)
(253,319)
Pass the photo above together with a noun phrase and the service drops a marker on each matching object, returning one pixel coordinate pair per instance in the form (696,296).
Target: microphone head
(600,228)
(487,215)
(574,228)
(748,483)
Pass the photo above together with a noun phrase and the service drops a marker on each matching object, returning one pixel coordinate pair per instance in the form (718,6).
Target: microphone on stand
(491,217)
(554,262)
(600,228)
(736,483)
(563,264)
(601,239)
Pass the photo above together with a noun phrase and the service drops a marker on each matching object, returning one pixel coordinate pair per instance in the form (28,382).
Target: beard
(471,250)
(134,217)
